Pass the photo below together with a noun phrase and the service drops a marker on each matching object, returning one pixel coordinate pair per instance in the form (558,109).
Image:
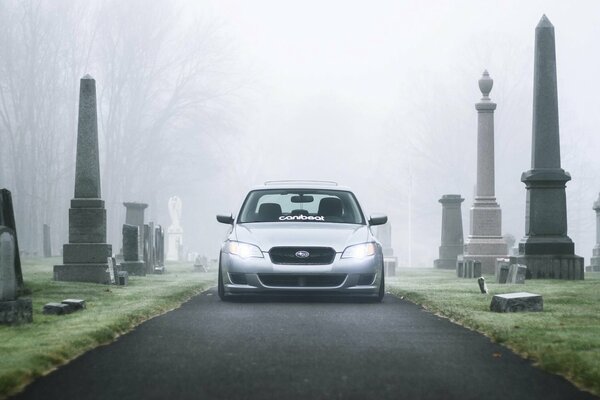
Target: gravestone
(460,266)
(8,277)
(12,309)
(516,274)
(482,285)
(132,253)
(47,242)
(7,219)
(452,232)
(159,250)
(84,257)
(134,215)
(501,272)
(546,249)
(149,250)
(175,231)
(122,278)
(468,269)
(595,260)
(485,242)
(516,302)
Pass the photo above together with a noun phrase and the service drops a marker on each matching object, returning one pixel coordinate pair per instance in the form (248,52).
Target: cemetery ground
(31,350)
(563,339)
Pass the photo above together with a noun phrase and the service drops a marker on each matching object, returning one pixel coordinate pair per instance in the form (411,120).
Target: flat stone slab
(17,311)
(57,309)
(75,304)
(517,302)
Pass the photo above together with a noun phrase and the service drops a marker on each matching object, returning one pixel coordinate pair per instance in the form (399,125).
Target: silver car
(301,237)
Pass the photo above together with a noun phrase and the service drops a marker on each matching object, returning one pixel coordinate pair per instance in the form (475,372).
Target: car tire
(221,286)
(381,292)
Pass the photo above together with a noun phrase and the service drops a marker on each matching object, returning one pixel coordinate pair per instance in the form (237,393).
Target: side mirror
(377,219)
(225,219)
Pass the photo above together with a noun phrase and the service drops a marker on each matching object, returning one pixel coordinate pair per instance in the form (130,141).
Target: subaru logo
(302,254)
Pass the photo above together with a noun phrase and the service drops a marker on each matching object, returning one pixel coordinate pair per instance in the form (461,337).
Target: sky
(379,96)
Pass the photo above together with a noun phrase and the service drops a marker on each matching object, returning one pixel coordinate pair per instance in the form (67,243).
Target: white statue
(175,232)
(175,213)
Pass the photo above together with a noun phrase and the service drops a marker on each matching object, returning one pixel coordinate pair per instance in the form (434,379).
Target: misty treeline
(163,75)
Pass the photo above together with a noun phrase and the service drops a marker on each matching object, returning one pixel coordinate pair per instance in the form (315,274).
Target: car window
(301,205)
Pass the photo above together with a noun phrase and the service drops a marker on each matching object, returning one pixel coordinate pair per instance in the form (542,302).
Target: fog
(204,100)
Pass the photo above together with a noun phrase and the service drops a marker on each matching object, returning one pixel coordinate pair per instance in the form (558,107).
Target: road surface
(300,348)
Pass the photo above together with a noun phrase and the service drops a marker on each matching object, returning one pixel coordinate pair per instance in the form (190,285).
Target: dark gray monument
(132,253)
(84,257)
(149,251)
(546,249)
(47,241)
(485,242)
(595,260)
(12,309)
(134,215)
(452,231)
(7,219)
(159,250)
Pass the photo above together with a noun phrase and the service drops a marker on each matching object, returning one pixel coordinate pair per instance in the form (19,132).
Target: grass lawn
(30,350)
(563,339)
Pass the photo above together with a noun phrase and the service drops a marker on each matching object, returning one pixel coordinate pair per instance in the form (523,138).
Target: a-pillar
(485,242)
(546,249)
(452,231)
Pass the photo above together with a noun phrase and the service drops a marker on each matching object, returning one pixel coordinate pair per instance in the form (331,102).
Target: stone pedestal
(485,242)
(84,257)
(452,232)
(546,249)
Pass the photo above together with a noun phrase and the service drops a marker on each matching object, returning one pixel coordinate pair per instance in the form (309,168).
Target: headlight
(359,250)
(244,250)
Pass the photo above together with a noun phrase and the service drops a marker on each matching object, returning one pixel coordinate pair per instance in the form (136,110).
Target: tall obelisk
(485,242)
(546,249)
(85,256)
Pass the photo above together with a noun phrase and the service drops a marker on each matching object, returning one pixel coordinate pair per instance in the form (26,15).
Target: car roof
(300,184)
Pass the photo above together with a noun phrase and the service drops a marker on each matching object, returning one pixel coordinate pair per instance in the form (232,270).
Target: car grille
(295,280)
(287,255)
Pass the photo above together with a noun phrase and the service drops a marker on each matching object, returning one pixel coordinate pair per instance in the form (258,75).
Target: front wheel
(381,286)
(221,285)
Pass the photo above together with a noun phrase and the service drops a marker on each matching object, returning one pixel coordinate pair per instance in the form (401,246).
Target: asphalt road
(300,349)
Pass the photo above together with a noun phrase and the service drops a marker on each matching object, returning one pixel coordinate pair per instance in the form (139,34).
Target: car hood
(267,235)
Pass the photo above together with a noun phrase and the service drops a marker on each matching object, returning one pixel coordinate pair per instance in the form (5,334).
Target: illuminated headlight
(244,250)
(359,250)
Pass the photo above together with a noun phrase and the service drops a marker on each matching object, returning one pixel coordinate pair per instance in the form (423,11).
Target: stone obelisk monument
(85,256)
(595,260)
(485,242)
(452,232)
(546,249)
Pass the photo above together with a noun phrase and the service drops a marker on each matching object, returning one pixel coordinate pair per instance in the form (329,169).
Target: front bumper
(355,277)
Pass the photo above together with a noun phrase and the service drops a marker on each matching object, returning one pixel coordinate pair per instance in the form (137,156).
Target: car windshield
(301,205)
